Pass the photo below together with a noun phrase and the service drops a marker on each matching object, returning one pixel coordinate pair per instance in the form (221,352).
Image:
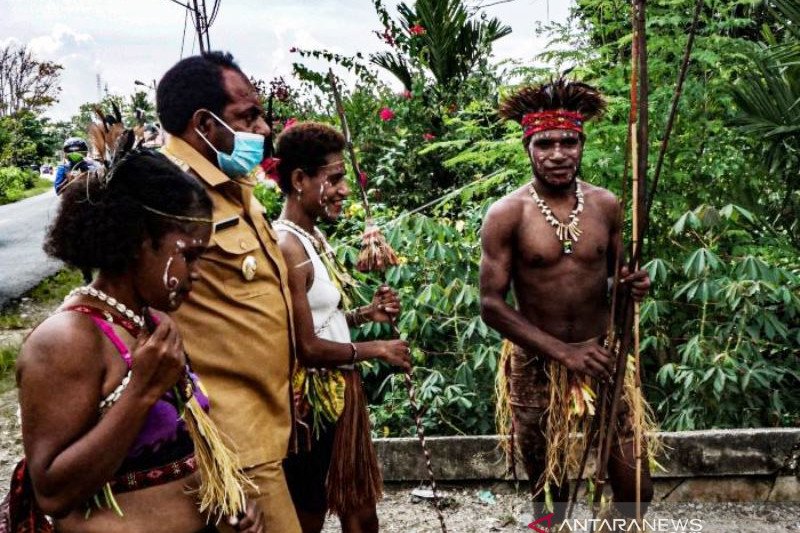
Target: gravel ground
(469,512)
(488,508)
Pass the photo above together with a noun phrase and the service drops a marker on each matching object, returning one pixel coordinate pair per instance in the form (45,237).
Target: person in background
(76,161)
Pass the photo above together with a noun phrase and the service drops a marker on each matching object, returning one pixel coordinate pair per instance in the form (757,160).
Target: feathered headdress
(559,104)
(105,134)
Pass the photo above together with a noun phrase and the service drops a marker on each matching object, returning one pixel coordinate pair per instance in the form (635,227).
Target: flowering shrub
(386,114)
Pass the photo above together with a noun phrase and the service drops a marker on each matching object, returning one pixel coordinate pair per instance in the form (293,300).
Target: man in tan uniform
(237,323)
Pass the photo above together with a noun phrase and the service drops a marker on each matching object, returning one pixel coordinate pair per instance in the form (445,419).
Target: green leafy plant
(735,314)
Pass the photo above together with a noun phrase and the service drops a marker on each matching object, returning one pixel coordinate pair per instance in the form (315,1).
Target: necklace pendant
(567,246)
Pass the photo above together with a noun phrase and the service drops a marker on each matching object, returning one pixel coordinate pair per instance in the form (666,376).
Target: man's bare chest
(539,244)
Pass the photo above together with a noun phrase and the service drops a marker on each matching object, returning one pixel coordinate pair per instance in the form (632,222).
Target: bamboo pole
(620,342)
(349,142)
(409,380)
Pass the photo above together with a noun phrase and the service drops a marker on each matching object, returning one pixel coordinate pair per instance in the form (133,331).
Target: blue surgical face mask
(248,151)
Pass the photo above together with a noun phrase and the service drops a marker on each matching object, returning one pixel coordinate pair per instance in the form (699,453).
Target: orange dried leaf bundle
(376,254)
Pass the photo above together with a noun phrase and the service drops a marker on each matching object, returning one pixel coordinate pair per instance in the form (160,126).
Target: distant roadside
(17,184)
(20,315)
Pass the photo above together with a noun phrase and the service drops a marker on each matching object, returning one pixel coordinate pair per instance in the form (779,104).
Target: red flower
(408,95)
(386,114)
(270,166)
(428,136)
(417,29)
(289,123)
(362,179)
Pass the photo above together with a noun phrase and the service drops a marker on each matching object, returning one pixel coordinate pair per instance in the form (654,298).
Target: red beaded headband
(551,120)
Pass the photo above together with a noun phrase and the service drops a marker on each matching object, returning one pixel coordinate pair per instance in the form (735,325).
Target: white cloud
(128,40)
(61,40)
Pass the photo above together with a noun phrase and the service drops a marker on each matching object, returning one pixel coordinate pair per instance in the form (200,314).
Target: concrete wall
(718,465)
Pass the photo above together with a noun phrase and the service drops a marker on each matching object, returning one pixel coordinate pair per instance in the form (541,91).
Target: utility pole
(200,18)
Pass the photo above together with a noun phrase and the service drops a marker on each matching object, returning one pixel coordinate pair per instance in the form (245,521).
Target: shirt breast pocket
(243,265)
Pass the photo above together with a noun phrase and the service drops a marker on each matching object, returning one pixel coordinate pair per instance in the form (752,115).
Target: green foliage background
(721,329)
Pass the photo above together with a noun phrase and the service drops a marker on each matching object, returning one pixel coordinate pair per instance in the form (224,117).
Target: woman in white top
(335,469)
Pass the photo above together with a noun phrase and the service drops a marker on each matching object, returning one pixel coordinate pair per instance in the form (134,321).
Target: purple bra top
(163,437)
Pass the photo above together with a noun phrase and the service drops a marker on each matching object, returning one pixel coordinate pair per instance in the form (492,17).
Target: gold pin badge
(249,265)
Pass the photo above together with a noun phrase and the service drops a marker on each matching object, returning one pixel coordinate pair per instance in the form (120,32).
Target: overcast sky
(127,40)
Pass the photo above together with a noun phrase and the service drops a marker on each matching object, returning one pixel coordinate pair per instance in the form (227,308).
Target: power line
(185,23)
(200,20)
(180,4)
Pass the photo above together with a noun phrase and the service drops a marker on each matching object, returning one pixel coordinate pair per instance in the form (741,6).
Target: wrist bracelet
(354,353)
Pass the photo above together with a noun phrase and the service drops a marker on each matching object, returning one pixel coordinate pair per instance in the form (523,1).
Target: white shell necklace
(567,233)
(109,300)
(318,241)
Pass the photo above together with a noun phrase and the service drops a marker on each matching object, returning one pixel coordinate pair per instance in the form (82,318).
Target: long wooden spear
(643,204)
(621,332)
(371,237)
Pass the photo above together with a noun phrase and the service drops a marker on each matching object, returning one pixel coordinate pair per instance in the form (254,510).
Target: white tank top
(323,296)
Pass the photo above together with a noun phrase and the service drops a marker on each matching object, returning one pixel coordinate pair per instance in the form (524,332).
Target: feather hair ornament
(558,94)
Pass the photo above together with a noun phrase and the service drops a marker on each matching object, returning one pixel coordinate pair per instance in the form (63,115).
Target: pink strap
(109,332)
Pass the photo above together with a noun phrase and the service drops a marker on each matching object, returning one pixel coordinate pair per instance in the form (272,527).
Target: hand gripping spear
(376,255)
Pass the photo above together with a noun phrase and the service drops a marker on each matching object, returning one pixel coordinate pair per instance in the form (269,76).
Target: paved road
(23,264)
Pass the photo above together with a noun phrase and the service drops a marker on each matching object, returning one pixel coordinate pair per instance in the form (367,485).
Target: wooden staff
(620,342)
(615,290)
(379,266)
(337,99)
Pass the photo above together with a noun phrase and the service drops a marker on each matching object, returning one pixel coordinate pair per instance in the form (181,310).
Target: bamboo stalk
(337,98)
(409,380)
(637,427)
(639,150)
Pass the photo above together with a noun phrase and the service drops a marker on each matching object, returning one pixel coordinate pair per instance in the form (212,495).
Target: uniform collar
(177,148)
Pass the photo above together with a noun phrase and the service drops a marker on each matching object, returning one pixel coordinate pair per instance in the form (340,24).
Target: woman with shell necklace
(335,469)
(110,408)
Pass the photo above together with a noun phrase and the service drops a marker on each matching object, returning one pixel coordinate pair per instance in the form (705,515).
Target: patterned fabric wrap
(319,392)
(19,512)
(151,477)
(551,120)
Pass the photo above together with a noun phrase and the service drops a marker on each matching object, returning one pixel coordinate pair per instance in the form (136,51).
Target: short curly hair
(305,145)
(101,224)
(191,84)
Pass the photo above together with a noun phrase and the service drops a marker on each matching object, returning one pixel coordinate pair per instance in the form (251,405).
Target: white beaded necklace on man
(111,301)
(567,233)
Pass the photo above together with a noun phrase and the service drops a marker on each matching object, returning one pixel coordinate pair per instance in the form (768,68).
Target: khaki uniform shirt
(237,322)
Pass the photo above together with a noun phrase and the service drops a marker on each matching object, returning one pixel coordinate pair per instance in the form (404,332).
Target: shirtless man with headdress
(555,241)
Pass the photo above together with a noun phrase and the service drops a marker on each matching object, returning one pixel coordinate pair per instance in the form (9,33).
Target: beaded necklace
(343,281)
(109,300)
(567,233)
(317,240)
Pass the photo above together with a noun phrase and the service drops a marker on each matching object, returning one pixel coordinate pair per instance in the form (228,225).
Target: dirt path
(10,438)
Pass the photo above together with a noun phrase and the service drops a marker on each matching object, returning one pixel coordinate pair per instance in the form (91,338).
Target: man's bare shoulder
(507,211)
(603,198)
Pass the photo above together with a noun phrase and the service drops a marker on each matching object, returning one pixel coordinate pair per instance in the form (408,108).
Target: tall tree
(26,83)
(768,96)
(140,109)
(441,36)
